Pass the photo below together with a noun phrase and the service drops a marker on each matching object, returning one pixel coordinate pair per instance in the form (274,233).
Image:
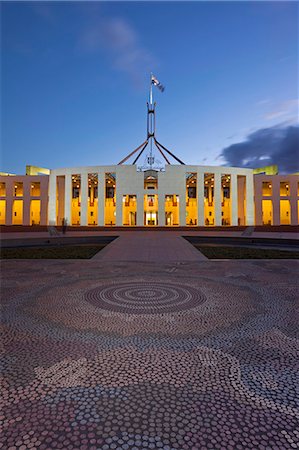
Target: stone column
(294,210)
(258,199)
(182,206)
(217,199)
(119,208)
(241,199)
(161,210)
(249,200)
(9,186)
(68,199)
(101,199)
(140,209)
(60,186)
(293,193)
(84,199)
(52,199)
(26,201)
(200,199)
(44,187)
(275,200)
(234,199)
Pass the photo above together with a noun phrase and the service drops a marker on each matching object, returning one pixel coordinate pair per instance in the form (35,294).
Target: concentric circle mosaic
(145,298)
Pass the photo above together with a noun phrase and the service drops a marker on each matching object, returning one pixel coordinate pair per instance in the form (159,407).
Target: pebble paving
(200,355)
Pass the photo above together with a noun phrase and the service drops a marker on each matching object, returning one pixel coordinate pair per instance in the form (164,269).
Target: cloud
(263,102)
(276,145)
(287,108)
(116,38)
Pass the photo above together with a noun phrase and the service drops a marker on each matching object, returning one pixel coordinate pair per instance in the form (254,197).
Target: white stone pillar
(200,199)
(52,200)
(84,199)
(101,199)
(258,205)
(182,207)
(241,199)
(293,183)
(119,208)
(9,184)
(68,199)
(26,201)
(161,210)
(44,189)
(140,209)
(249,200)
(234,199)
(217,199)
(275,181)
(60,190)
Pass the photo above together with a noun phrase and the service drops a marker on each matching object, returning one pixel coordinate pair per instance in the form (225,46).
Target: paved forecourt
(170,354)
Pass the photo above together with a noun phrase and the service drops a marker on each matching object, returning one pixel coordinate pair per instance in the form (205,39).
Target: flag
(157,83)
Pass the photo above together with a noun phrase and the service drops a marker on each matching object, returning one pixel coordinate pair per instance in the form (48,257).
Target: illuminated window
(285,212)
(18,189)
(284,189)
(35,189)
(267,189)
(2,190)
(150,179)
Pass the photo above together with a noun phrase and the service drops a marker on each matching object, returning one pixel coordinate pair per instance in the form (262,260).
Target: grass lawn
(222,252)
(59,252)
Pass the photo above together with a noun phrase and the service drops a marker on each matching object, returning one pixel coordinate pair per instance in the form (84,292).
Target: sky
(75,81)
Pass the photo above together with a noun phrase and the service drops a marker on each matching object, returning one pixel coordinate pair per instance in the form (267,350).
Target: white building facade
(179,195)
(123,195)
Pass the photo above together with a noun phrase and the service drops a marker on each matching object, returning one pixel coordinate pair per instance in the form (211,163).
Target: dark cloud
(276,145)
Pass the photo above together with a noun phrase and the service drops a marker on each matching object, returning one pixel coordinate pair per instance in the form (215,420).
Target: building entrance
(151,218)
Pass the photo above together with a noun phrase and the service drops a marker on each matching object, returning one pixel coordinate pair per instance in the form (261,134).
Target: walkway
(150,246)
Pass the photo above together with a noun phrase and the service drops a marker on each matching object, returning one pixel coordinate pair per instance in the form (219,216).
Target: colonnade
(25,198)
(129,181)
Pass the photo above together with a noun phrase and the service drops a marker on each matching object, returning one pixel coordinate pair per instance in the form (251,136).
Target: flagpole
(151,90)
(151,130)
(150,107)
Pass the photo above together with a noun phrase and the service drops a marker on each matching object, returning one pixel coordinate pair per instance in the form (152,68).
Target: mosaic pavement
(149,356)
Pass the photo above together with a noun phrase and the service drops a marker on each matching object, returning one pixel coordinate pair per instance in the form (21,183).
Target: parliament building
(125,195)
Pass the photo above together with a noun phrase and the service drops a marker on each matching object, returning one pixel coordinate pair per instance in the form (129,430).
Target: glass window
(150,179)
(267,213)
(171,210)
(18,189)
(35,189)
(76,199)
(110,198)
(267,189)
(285,212)
(129,210)
(2,190)
(284,189)
(209,208)
(76,184)
(2,211)
(17,211)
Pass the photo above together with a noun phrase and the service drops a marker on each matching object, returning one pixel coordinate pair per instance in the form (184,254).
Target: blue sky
(75,78)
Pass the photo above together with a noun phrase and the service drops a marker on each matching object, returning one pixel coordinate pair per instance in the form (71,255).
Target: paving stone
(135,355)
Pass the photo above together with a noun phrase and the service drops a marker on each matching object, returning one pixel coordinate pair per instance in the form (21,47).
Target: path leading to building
(150,246)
